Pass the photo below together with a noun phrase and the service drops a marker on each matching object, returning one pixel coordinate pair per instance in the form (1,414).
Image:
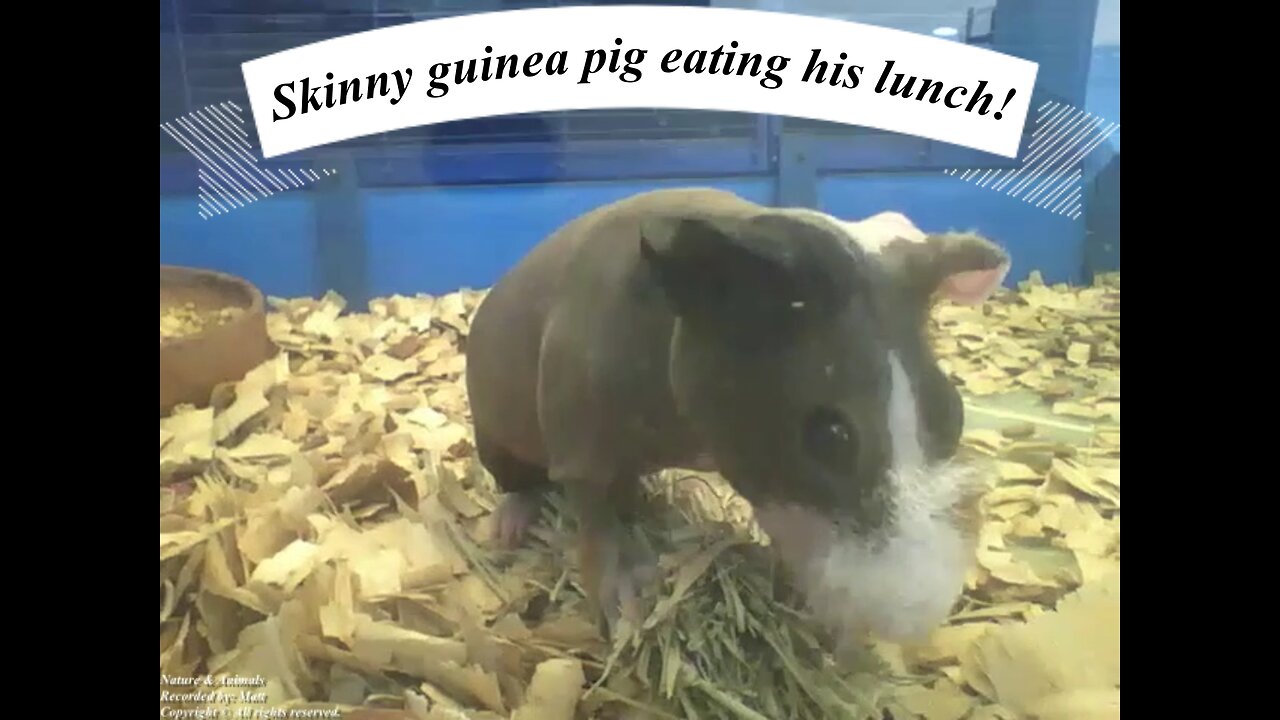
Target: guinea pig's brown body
(782,347)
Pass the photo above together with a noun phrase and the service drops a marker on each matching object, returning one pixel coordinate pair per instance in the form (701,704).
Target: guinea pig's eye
(830,439)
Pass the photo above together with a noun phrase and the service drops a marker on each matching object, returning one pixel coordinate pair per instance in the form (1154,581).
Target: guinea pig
(781,347)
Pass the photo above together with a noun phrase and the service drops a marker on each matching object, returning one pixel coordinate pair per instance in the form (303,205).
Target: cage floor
(399,599)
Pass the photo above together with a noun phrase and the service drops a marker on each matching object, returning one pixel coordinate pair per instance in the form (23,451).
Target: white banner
(580,58)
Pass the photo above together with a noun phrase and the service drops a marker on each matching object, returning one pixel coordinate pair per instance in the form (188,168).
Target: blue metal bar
(221,34)
(877,152)
(222,28)
(505,163)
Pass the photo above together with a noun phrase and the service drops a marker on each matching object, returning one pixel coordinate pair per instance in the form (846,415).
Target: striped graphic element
(1063,136)
(230,176)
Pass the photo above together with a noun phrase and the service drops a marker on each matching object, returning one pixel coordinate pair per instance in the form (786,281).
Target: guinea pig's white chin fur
(900,582)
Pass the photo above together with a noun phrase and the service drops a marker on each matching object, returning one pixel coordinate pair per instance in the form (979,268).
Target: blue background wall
(405,225)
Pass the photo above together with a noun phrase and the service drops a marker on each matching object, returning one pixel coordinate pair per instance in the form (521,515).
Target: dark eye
(831,440)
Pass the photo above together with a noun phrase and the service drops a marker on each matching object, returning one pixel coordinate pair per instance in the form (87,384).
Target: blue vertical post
(797,173)
(342,262)
(1056,35)
(795,177)
(1059,37)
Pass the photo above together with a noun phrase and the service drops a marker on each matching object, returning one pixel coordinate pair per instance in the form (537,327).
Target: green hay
(724,638)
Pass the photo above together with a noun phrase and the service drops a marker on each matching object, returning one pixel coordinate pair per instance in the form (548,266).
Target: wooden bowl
(193,365)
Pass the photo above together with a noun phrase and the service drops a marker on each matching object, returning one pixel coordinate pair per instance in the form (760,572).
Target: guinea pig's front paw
(625,571)
(515,514)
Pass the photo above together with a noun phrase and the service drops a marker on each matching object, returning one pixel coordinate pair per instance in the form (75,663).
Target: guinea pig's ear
(965,268)
(727,274)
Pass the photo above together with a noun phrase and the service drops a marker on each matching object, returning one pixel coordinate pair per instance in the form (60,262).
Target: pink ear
(973,287)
